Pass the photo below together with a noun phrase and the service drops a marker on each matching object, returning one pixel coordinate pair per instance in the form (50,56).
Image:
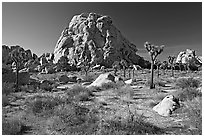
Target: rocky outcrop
(94,37)
(189,57)
(167,106)
(29,63)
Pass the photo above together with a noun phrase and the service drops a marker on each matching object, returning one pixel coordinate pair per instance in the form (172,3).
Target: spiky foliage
(158,64)
(18,56)
(124,66)
(171,62)
(116,66)
(153,51)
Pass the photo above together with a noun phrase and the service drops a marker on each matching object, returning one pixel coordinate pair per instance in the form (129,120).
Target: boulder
(94,36)
(167,106)
(189,57)
(103,78)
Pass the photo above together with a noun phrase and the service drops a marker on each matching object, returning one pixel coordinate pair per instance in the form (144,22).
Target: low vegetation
(188,82)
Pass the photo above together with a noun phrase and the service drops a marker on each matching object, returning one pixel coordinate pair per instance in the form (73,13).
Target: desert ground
(61,108)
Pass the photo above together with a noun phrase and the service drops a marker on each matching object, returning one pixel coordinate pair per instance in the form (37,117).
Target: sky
(38,26)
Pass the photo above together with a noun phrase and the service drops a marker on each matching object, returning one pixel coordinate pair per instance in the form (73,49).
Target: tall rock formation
(93,37)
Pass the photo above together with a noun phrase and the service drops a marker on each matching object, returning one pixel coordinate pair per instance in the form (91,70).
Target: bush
(5,100)
(43,104)
(73,119)
(111,85)
(136,127)
(156,82)
(193,109)
(7,88)
(188,82)
(89,78)
(189,94)
(11,126)
(79,93)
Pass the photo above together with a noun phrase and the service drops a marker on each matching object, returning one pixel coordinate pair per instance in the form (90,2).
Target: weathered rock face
(189,56)
(167,106)
(94,37)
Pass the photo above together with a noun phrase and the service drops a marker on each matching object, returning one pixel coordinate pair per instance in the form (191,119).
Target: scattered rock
(167,106)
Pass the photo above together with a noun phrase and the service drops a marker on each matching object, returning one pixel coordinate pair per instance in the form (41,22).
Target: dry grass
(187,82)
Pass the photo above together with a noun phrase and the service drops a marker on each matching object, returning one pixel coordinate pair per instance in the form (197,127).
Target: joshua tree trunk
(152,75)
(129,73)
(172,71)
(115,71)
(124,72)
(17,73)
(133,73)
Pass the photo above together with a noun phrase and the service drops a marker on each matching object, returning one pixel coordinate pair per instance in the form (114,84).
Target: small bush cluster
(156,82)
(73,119)
(7,88)
(189,94)
(79,93)
(136,126)
(187,83)
(11,126)
(111,85)
(193,109)
(44,105)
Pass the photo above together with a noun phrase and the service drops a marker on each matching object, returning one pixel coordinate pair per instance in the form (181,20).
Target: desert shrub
(79,93)
(156,82)
(73,119)
(43,104)
(188,94)
(125,92)
(89,78)
(111,85)
(7,88)
(193,109)
(11,126)
(136,127)
(94,89)
(5,100)
(187,82)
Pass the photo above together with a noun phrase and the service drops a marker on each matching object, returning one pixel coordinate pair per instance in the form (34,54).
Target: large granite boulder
(94,37)
(167,106)
(102,79)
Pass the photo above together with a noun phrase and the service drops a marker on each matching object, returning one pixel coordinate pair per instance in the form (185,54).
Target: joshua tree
(158,64)
(116,66)
(18,56)
(85,65)
(124,65)
(153,51)
(171,62)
